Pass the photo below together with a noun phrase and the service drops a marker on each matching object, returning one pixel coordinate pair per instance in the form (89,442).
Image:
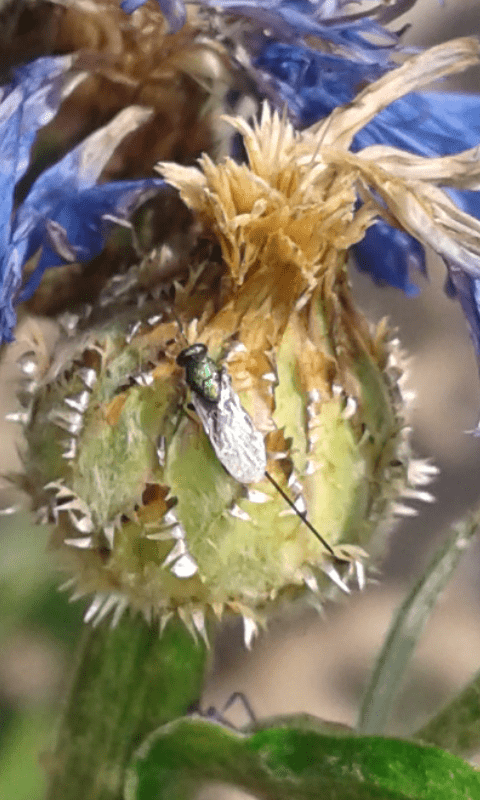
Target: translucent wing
(238,445)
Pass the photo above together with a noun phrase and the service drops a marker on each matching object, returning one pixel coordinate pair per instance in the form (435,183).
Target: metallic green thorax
(201,372)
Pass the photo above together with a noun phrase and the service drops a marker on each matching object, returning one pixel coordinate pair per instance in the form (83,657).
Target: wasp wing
(238,445)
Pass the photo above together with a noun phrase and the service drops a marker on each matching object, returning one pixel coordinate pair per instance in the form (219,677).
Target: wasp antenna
(302,516)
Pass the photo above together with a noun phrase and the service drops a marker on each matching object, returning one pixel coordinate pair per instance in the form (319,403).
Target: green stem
(128,681)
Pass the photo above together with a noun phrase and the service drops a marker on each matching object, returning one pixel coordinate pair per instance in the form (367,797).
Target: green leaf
(294,761)
(457,727)
(408,627)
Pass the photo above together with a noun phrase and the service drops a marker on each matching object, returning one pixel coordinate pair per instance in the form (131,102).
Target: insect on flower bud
(166,511)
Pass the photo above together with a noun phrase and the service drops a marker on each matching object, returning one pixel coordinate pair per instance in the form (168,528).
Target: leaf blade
(296,762)
(407,628)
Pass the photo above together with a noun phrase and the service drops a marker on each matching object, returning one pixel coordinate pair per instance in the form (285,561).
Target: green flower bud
(145,514)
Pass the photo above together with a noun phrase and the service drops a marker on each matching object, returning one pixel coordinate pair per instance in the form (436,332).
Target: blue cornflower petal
(174,11)
(27,103)
(77,171)
(467,201)
(81,167)
(10,113)
(462,285)
(312,84)
(467,290)
(426,123)
(129,6)
(66,214)
(12,265)
(389,256)
(40,83)
(292,20)
(81,222)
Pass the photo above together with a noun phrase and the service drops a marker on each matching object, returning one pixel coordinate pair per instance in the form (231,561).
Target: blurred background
(303,663)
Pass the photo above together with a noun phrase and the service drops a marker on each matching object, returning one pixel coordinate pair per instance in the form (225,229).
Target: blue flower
(65,215)
(312,84)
